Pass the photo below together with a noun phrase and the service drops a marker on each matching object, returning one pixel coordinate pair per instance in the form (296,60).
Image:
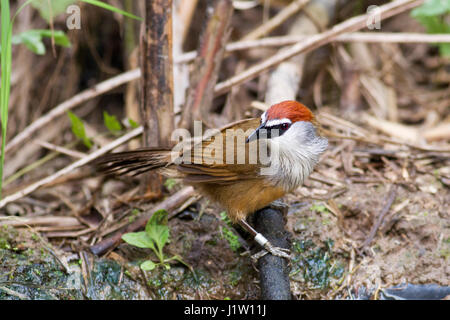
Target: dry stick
(169,204)
(63,150)
(277,20)
(390,200)
(372,37)
(207,64)
(130,135)
(41,221)
(315,41)
(84,96)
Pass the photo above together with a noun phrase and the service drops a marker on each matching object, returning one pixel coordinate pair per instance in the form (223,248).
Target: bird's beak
(255,134)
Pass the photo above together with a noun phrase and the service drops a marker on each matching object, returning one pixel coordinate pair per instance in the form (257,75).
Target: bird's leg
(261,240)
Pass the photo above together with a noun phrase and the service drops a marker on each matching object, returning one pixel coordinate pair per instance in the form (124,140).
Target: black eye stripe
(281,126)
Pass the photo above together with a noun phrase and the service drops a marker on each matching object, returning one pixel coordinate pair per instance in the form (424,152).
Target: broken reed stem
(207,63)
(388,10)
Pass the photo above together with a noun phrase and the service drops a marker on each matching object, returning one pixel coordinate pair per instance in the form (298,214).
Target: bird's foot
(275,251)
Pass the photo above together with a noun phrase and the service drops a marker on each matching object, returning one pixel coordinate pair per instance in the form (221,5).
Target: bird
(244,166)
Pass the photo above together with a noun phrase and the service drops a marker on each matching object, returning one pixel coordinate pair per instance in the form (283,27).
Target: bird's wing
(223,157)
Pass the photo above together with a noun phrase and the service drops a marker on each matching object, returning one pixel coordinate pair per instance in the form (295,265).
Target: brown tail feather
(137,161)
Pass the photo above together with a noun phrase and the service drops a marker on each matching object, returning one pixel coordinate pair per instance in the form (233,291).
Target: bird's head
(286,117)
(290,131)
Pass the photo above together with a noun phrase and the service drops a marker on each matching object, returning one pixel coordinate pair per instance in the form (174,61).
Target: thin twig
(371,37)
(388,10)
(390,200)
(63,150)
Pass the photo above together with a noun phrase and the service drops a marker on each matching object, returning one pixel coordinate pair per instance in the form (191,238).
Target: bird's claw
(275,251)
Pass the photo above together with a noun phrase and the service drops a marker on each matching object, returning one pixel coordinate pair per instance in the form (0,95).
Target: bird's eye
(284,126)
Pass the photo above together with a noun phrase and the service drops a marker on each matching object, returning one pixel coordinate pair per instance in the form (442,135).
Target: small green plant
(112,123)
(32,39)
(78,129)
(319,208)
(155,237)
(432,14)
(170,183)
(228,234)
(316,265)
(132,123)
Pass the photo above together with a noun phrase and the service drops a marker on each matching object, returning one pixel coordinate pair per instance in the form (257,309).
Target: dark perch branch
(273,271)
(171,203)
(205,72)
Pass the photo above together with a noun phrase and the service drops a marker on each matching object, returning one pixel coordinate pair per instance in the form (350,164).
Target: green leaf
(159,217)
(5,66)
(103,5)
(148,265)
(159,234)
(56,7)
(111,123)
(133,123)
(444,49)
(138,239)
(431,8)
(170,183)
(157,228)
(32,39)
(319,208)
(78,129)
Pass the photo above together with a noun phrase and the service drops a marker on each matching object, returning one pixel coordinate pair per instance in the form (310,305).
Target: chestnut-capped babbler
(244,166)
